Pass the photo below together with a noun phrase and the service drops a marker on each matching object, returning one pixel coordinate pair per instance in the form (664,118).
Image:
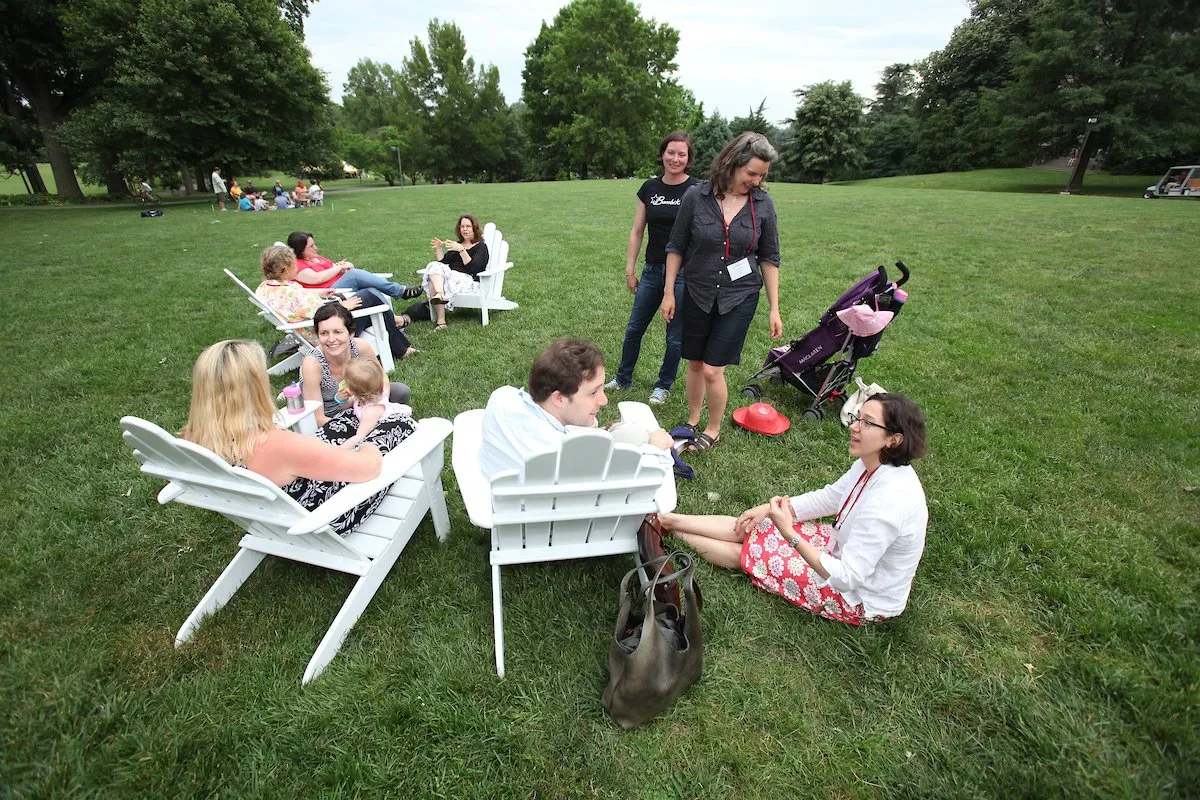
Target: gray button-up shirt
(700,237)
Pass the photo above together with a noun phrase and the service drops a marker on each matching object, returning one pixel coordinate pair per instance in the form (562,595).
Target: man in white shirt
(566,389)
(218,186)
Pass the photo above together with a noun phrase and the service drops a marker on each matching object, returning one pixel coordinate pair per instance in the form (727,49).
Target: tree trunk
(186,174)
(37,185)
(115,182)
(66,184)
(1091,143)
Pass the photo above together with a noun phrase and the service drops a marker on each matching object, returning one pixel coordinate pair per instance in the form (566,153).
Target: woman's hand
(781,514)
(327,292)
(776,323)
(344,266)
(435,242)
(750,518)
(455,246)
(351,303)
(668,307)
(631,281)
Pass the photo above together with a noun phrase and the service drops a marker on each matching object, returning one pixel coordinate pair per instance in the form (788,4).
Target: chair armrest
(430,434)
(369,312)
(294,326)
(495,270)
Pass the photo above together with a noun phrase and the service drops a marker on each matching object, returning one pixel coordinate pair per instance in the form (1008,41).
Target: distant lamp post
(399,165)
(1081,163)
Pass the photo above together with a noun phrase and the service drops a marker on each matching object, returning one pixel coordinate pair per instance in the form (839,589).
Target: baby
(367,387)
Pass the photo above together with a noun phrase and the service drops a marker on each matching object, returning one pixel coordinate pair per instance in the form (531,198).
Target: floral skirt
(455,282)
(775,566)
(311,494)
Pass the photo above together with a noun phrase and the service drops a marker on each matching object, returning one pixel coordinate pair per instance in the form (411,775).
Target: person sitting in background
(316,271)
(283,202)
(235,191)
(245,204)
(316,194)
(455,272)
(278,188)
(300,193)
(566,388)
(260,203)
(295,303)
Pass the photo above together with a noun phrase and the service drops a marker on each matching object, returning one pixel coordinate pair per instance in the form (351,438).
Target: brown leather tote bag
(655,655)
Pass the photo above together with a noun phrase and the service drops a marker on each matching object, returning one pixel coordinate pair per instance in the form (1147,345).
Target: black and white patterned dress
(311,494)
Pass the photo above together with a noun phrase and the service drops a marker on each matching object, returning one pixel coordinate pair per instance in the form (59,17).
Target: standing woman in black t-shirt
(726,243)
(657,204)
(457,268)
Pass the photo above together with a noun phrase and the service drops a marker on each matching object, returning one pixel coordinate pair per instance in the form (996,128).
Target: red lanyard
(860,486)
(753,225)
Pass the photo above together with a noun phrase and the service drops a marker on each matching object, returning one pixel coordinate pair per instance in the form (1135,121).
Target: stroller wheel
(813,414)
(752,390)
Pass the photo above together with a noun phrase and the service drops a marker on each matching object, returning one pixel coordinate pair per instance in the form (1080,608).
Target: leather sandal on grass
(438,299)
(412,291)
(441,327)
(702,442)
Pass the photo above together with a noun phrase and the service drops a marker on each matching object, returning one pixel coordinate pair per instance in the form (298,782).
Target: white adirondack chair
(491,280)
(277,525)
(377,333)
(586,498)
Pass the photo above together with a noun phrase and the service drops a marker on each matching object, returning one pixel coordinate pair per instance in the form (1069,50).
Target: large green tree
(1133,65)
(709,137)
(596,83)
(38,63)
(828,130)
(459,112)
(207,82)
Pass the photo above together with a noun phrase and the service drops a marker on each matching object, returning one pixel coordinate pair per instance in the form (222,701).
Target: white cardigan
(873,557)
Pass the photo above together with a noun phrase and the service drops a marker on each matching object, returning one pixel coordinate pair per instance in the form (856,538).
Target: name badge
(739,269)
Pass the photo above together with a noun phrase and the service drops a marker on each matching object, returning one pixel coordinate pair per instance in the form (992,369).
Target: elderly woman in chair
(294,302)
(231,414)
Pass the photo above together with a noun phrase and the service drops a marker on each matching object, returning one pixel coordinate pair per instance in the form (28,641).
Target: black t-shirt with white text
(662,205)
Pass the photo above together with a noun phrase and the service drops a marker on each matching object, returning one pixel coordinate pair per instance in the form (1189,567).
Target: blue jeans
(646,303)
(371,284)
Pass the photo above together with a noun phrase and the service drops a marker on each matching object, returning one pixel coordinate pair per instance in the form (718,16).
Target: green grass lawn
(1052,642)
(1023,180)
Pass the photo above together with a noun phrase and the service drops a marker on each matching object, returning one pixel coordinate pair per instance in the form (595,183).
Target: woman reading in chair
(861,568)
(457,268)
(231,413)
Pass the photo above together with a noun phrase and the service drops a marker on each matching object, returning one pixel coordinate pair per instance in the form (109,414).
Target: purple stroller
(822,362)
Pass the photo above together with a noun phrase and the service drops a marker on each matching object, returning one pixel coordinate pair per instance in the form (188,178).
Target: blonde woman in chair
(231,414)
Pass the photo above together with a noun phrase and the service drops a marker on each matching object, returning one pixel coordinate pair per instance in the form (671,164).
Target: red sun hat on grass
(761,418)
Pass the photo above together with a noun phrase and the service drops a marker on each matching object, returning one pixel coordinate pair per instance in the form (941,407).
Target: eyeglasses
(861,421)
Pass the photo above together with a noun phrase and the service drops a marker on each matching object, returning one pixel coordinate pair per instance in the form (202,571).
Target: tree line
(124,88)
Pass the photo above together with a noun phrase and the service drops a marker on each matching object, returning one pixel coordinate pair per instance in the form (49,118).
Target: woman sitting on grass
(861,568)
(231,415)
(457,268)
(324,369)
(293,302)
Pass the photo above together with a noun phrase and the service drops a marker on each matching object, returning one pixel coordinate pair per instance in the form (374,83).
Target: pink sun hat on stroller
(761,418)
(862,320)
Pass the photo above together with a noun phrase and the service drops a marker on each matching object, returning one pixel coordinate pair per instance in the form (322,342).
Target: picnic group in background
(712,248)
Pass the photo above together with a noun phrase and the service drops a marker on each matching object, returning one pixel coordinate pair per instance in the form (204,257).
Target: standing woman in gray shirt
(726,242)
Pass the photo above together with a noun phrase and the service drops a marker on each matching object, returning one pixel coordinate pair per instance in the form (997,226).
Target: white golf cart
(1178,182)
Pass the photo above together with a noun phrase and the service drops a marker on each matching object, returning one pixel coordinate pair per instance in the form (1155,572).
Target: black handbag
(654,657)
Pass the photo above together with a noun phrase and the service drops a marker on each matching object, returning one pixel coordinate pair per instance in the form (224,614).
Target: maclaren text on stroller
(822,362)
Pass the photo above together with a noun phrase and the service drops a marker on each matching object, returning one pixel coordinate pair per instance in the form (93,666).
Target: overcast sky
(788,43)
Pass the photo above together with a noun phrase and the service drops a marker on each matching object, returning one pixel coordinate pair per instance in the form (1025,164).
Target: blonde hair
(231,406)
(275,261)
(366,380)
